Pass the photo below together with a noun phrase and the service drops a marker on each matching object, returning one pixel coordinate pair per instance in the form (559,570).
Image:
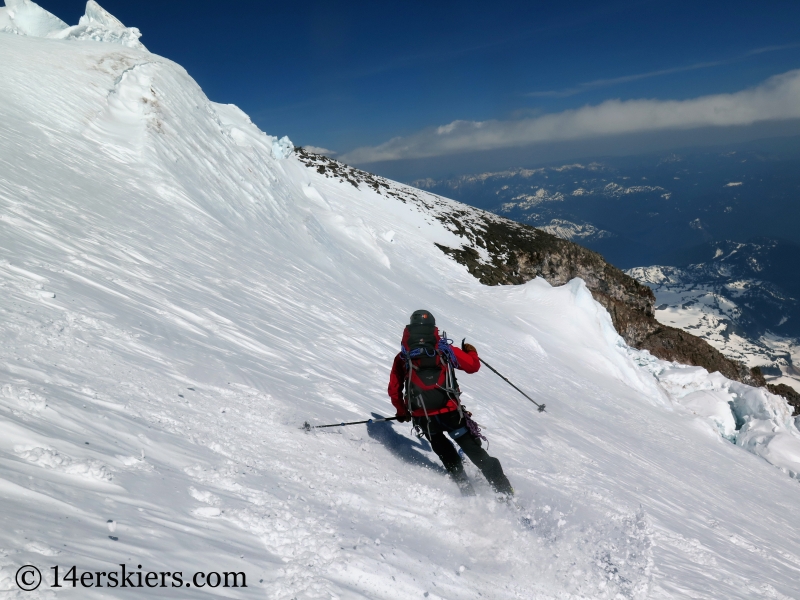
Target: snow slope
(178,293)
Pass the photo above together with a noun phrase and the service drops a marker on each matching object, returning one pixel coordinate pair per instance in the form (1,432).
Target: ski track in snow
(176,299)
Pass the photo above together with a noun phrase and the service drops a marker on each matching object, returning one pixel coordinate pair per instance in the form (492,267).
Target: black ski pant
(434,428)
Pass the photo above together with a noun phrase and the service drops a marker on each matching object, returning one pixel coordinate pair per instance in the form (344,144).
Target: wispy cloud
(772,49)
(600,83)
(777,98)
(626,78)
(320,150)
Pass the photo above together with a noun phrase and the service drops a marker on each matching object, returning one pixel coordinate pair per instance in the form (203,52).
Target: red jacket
(467,362)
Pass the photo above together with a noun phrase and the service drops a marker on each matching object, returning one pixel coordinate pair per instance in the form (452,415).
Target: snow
(711,307)
(97,15)
(528,201)
(24,17)
(752,418)
(615,189)
(179,293)
(789,350)
(575,232)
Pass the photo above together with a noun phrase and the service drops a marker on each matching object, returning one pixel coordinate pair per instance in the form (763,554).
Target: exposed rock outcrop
(518,253)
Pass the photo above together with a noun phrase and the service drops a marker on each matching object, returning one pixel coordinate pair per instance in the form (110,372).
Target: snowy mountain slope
(179,293)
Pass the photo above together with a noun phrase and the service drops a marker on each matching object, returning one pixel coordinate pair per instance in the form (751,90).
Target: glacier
(732,309)
(24,17)
(179,293)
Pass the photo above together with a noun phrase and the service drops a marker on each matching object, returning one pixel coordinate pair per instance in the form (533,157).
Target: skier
(423,387)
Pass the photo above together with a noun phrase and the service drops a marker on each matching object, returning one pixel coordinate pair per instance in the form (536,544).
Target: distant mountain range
(500,251)
(680,211)
(651,209)
(738,299)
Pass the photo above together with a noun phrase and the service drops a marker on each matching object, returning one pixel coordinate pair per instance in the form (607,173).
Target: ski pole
(541,406)
(308,426)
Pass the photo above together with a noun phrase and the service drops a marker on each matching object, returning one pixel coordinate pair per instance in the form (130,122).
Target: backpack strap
(409,370)
(445,349)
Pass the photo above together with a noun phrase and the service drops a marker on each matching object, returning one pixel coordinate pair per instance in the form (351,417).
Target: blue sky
(345,76)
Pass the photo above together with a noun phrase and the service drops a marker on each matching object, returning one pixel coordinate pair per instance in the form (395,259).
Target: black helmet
(422,317)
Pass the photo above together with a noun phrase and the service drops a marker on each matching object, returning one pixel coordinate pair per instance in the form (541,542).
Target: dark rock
(791,395)
(520,253)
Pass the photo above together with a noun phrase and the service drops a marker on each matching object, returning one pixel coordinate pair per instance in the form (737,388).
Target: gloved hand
(468,347)
(403,418)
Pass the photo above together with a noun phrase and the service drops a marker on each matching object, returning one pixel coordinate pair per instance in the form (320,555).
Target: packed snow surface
(23,17)
(179,293)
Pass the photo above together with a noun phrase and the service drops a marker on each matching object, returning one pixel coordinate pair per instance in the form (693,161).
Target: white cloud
(319,150)
(778,98)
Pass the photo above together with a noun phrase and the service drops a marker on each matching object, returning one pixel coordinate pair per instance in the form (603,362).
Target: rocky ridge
(498,251)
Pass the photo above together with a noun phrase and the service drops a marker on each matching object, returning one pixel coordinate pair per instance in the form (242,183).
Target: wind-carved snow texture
(131,110)
(23,17)
(177,298)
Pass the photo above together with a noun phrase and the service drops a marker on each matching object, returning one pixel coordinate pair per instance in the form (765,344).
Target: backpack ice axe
(500,375)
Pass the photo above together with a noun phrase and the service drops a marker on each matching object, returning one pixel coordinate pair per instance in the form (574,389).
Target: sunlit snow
(710,309)
(179,293)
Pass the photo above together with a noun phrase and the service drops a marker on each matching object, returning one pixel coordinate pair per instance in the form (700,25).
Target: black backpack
(431,380)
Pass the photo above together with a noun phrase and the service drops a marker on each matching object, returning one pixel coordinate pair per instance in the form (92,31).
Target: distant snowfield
(178,294)
(708,308)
